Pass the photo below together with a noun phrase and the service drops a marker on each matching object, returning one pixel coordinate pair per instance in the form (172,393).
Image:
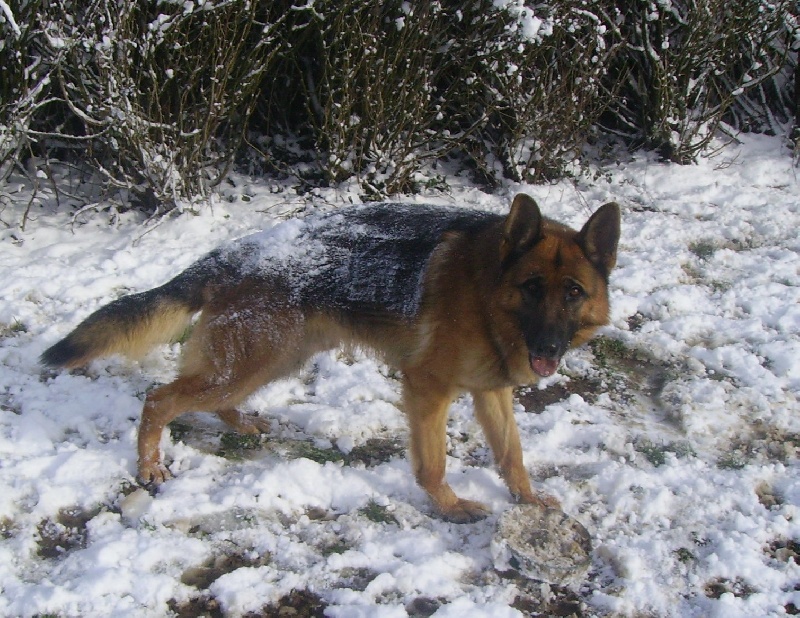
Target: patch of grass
(693,273)
(606,349)
(16,327)
(719,286)
(703,249)
(377,513)
(318,454)
(684,555)
(178,430)
(375,451)
(732,461)
(656,454)
(337,547)
(236,446)
(232,445)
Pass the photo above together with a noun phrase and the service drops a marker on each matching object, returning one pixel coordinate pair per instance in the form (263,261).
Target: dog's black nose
(549,345)
(548,350)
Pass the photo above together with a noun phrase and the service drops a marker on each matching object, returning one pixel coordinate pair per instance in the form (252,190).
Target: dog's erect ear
(522,230)
(599,237)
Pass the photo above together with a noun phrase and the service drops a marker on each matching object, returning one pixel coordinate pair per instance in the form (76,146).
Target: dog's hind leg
(162,406)
(204,392)
(495,412)
(230,354)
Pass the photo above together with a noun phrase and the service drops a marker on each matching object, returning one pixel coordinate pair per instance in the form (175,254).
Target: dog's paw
(465,512)
(152,474)
(244,423)
(253,425)
(539,499)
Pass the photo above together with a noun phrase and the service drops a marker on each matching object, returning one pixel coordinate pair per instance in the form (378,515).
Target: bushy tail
(133,324)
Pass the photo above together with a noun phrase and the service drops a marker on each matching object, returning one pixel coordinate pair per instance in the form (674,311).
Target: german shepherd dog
(457,300)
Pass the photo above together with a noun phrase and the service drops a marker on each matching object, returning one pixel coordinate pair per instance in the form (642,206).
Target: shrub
(685,64)
(541,86)
(156,96)
(773,104)
(391,86)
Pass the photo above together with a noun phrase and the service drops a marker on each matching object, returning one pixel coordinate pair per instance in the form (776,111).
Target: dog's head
(555,279)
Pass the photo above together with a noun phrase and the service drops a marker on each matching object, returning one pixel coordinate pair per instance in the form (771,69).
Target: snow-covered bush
(389,86)
(25,86)
(372,81)
(686,62)
(538,81)
(155,95)
(157,99)
(773,105)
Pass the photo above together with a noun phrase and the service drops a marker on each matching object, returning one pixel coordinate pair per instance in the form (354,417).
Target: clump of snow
(677,449)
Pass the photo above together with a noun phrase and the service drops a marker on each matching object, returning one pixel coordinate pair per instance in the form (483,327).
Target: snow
(680,458)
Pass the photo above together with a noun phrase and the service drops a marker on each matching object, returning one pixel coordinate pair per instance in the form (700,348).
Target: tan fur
(133,341)
(467,337)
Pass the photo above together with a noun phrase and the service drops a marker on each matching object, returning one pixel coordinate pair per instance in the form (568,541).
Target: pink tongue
(544,367)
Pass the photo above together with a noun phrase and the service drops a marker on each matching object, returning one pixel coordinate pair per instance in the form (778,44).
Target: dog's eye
(575,292)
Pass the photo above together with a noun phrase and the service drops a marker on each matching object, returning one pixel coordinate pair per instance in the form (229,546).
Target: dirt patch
(535,400)
(238,447)
(538,599)
(423,607)
(627,375)
(737,587)
(785,550)
(204,605)
(7,528)
(626,369)
(376,451)
(300,604)
(762,443)
(203,576)
(65,533)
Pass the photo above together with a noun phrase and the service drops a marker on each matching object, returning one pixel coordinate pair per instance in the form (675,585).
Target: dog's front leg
(495,412)
(426,403)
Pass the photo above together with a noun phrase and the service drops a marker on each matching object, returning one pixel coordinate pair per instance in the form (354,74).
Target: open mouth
(544,367)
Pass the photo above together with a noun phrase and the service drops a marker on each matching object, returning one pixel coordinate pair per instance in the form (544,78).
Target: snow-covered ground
(673,439)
